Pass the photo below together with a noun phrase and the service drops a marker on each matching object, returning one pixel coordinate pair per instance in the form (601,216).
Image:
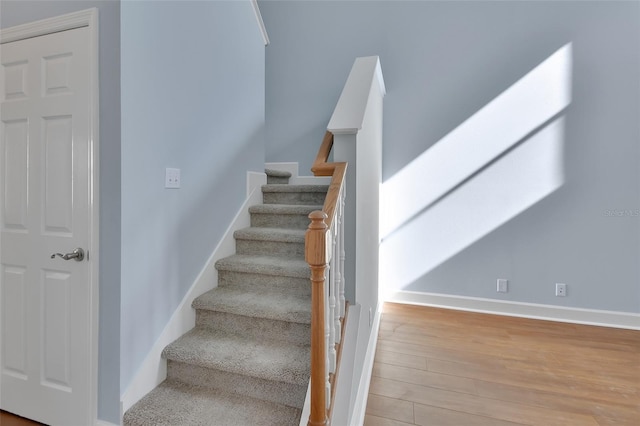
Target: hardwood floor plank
(623,413)
(471,404)
(433,416)
(9,419)
(615,378)
(424,378)
(460,354)
(370,420)
(470,346)
(390,408)
(542,379)
(608,421)
(400,359)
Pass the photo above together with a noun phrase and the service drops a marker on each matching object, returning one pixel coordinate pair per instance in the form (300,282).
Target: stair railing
(325,254)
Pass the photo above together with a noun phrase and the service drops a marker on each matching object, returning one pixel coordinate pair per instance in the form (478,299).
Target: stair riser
(291,221)
(267,329)
(277,180)
(278,392)
(271,248)
(301,286)
(295,198)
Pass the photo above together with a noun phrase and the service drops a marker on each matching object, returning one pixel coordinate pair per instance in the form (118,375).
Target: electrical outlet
(172,178)
(503,286)
(561,290)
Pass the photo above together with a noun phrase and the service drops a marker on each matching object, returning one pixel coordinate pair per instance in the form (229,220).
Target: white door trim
(85,18)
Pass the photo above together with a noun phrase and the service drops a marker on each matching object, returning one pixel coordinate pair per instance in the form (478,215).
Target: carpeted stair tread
(283,209)
(277,173)
(284,235)
(173,403)
(273,305)
(277,177)
(295,188)
(267,360)
(266,265)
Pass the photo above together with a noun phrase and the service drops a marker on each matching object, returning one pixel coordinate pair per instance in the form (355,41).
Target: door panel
(16,137)
(14,315)
(55,329)
(15,80)
(57,138)
(45,357)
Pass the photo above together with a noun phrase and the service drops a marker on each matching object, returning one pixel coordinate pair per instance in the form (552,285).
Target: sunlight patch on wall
(525,106)
(524,176)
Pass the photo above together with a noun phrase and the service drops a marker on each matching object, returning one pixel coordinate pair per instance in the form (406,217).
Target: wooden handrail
(320,166)
(337,171)
(333,194)
(321,240)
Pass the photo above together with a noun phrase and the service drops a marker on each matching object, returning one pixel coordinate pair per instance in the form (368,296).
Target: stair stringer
(153,370)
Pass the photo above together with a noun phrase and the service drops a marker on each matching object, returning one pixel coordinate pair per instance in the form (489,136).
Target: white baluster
(342,254)
(332,309)
(327,340)
(338,274)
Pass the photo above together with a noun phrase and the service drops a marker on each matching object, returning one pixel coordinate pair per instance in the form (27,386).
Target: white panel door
(45,362)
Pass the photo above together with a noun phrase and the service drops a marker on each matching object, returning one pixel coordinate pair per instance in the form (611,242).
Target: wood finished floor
(442,367)
(8,419)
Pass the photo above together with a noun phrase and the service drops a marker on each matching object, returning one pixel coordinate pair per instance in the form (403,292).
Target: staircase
(247,359)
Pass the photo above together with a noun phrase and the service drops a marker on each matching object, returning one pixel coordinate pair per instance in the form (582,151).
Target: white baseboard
(154,369)
(360,405)
(627,320)
(103,423)
(296,179)
(254,181)
(306,408)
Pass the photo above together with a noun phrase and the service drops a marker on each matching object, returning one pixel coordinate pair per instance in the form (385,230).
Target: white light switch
(172,178)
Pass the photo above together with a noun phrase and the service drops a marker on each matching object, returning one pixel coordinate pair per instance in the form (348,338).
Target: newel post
(317,258)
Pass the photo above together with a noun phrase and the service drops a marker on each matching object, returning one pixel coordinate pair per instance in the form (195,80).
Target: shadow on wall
(499,162)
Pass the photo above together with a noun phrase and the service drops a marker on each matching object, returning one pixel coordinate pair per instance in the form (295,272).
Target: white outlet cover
(172,178)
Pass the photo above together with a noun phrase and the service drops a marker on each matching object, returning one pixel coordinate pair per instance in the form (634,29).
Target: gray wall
(193,99)
(444,61)
(20,12)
